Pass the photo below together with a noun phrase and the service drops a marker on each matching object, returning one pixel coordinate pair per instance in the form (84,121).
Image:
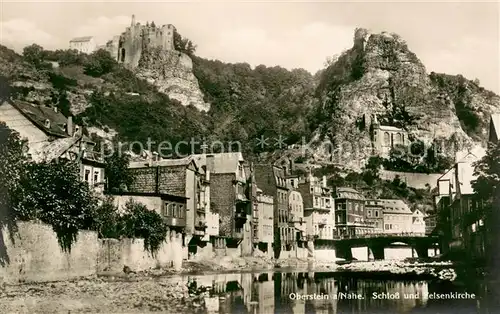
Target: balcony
(175,222)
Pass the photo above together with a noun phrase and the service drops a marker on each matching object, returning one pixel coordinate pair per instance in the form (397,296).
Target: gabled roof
(81,39)
(55,149)
(395,206)
(495,123)
(39,114)
(182,162)
(349,193)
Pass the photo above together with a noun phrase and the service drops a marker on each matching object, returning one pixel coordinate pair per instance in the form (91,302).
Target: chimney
(69,126)
(207,173)
(324,181)
(151,158)
(210,160)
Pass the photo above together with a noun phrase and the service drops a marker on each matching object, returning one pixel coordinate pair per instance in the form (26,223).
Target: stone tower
(128,48)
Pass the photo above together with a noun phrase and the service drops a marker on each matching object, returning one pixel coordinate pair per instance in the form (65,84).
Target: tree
(487,170)
(12,163)
(183,44)
(487,188)
(34,54)
(99,63)
(107,221)
(119,177)
(54,193)
(140,222)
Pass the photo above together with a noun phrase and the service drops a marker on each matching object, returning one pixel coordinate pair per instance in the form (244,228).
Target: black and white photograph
(255,157)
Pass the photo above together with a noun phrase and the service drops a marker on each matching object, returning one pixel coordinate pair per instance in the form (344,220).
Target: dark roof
(181,198)
(185,162)
(39,114)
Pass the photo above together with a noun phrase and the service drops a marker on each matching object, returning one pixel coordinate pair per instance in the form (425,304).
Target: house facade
(51,135)
(263,220)
(178,177)
(418,222)
(319,209)
(86,44)
(466,212)
(350,213)
(229,199)
(296,210)
(171,208)
(398,217)
(374,215)
(271,180)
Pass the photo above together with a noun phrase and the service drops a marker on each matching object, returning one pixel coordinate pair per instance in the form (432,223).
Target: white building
(319,209)
(418,222)
(398,217)
(85,44)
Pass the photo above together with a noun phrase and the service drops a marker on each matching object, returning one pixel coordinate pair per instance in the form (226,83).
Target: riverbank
(124,294)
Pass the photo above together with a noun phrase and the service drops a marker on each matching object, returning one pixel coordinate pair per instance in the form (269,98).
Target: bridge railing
(380,235)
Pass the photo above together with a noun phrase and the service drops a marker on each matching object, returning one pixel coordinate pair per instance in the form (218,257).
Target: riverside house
(319,209)
(271,180)
(51,135)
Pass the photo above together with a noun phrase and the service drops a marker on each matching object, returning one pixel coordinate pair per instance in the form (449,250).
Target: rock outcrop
(172,72)
(380,77)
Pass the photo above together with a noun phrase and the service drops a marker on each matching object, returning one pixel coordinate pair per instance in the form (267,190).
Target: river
(331,293)
(251,292)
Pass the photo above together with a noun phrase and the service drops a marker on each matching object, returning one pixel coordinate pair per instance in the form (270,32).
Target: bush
(99,63)
(54,193)
(140,222)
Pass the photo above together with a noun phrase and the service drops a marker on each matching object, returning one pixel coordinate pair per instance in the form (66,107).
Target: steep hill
(378,77)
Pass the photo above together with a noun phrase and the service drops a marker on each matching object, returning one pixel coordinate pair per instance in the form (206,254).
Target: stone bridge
(376,243)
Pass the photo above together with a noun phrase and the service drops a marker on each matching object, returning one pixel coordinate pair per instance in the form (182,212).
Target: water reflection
(321,293)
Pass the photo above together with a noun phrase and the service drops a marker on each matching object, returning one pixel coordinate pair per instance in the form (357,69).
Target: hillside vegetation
(379,76)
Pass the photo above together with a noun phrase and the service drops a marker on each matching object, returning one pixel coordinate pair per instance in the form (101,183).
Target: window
(87,175)
(169,210)
(181,211)
(387,139)
(376,213)
(174,210)
(96,176)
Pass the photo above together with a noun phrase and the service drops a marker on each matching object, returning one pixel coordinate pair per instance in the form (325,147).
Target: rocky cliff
(380,77)
(172,72)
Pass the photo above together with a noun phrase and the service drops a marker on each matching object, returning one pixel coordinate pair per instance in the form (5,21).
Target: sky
(450,37)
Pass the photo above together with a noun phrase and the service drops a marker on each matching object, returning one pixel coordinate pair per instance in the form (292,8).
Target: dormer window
(47,123)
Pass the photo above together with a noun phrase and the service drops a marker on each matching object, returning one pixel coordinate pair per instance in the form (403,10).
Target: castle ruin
(127,47)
